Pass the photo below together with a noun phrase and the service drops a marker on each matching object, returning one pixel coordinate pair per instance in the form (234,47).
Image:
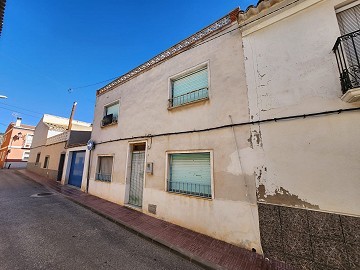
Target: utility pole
(72,116)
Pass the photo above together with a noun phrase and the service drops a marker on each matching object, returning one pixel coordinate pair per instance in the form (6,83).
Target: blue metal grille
(103,177)
(194,189)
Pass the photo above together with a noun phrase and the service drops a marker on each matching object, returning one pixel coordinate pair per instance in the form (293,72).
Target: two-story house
(49,152)
(15,147)
(164,141)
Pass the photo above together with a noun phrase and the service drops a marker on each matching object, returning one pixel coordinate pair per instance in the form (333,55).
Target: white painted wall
(290,70)
(232,214)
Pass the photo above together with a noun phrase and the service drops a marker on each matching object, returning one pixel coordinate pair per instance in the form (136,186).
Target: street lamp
(3,96)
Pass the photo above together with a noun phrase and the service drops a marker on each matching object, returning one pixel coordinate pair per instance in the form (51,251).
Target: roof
(255,10)
(174,50)
(56,127)
(78,138)
(2,11)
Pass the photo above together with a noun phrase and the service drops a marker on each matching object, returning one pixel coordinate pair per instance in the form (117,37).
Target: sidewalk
(198,248)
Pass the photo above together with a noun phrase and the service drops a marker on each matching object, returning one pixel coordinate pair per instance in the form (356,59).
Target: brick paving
(198,248)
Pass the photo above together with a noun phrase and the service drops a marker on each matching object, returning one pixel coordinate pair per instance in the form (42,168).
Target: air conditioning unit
(107,120)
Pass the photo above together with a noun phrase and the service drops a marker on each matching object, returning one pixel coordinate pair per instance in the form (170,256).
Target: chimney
(18,122)
(72,115)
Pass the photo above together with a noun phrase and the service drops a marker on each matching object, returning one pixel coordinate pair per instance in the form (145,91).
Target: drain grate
(43,194)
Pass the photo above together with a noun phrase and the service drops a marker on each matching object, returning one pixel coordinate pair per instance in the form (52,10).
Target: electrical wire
(20,108)
(19,112)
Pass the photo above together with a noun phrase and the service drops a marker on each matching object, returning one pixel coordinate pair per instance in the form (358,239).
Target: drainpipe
(72,116)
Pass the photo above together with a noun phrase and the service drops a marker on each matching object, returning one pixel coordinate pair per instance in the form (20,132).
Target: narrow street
(51,232)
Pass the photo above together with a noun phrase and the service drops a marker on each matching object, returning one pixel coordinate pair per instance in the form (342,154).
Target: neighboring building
(1,138)
(48,151)
(2,11)
(15,148)
(307,166)
(76,160)
(148,155)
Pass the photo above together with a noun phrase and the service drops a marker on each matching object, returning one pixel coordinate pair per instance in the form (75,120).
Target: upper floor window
(28,140)
(111,114)
(190,87)
(347,51)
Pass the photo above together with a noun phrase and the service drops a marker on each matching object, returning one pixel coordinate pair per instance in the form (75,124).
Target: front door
(61,167)
(76,168)
(137,175)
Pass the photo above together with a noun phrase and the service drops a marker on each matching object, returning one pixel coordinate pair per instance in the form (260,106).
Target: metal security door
(76,169)
(137,178)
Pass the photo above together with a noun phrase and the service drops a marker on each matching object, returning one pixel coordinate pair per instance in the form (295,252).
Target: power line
(199,44)
(19,112)
(19,108)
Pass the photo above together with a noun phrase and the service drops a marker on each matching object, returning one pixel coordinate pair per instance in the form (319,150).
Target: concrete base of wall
(15,165)
(51,174)
(310,239)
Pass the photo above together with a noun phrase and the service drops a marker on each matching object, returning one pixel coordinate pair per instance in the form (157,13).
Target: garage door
(77,168)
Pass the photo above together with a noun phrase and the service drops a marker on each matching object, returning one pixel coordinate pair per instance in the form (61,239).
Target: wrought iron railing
(108,120)
(347,52)
(194,189)
(103,177)
(199,94)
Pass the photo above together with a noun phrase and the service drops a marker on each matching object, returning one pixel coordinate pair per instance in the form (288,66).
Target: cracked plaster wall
(290,69)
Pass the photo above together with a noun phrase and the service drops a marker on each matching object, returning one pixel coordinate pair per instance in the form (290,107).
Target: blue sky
(49,46)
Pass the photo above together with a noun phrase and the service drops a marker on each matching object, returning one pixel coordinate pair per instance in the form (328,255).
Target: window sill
(188,103)
(109,125)
(191,196)
(352,95)
(103,181)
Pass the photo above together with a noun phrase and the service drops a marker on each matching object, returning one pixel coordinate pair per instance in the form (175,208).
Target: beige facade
(49,145)
(230,214)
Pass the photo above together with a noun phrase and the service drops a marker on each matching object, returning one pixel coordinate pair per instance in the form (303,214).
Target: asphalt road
(54,233)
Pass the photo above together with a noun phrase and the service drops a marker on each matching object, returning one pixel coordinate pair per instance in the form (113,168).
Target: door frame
(128,170)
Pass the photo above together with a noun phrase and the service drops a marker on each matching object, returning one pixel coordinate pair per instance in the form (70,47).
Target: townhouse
(302,69)
(15,147)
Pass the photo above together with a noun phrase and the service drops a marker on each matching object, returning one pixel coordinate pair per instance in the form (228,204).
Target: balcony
(347,53)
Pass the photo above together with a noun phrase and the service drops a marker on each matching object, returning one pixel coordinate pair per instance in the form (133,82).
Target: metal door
(76,168)
(137,178)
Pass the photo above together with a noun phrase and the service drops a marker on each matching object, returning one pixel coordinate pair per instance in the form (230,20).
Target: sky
(49,46)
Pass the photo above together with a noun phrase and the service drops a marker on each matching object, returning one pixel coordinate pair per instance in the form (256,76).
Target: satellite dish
(90,145)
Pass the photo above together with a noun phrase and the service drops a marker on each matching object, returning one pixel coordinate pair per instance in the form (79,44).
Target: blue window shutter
(190,173)
(197,80)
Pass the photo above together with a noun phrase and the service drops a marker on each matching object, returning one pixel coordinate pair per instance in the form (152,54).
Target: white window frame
(167,171)
(26,145)
(23,155)
(183,74)
(97,167)
(347,6)
(115,121)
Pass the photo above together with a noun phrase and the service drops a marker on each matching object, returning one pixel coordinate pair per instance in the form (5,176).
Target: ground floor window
(37,158)
(190,173)
(104,168)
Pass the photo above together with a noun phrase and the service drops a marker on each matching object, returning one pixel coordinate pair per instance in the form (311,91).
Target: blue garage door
(76,169)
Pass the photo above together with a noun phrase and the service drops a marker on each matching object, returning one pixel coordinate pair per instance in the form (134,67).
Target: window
(189,88)
(28,140)
(190,173)
(104,168)
(37,158)
(26,155)
(347,51)
(111,114)
(46,162)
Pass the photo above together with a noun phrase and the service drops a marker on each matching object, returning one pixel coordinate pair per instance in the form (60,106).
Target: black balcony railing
(347,52)
(189,97)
